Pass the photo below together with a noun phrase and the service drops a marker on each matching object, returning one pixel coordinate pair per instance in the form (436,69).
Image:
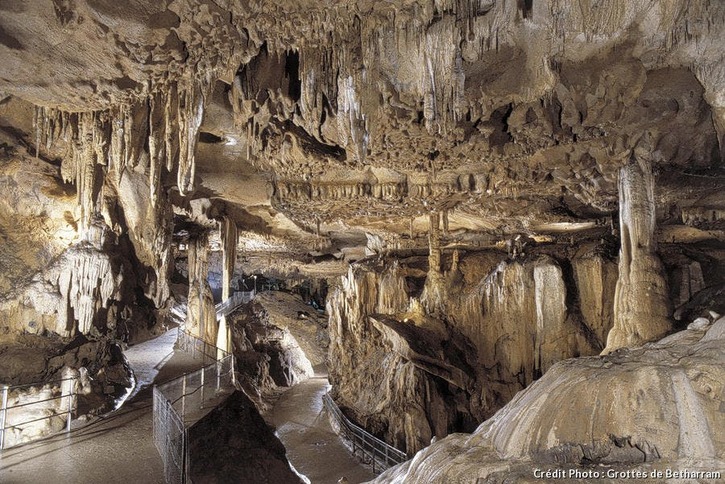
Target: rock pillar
(229,256)
(434,294)
(201,314)
(641,302)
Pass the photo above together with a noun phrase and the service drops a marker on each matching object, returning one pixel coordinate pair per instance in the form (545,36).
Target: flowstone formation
(574,417)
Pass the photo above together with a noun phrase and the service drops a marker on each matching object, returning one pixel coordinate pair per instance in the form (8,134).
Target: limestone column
(434,243)
(201,314)
(434,294)
(641,300)
(229,256)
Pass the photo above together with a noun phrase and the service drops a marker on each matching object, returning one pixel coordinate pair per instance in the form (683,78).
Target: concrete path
(313,448)
(116,449)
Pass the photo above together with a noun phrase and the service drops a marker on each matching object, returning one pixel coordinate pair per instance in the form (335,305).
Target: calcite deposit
(472,190)
(574,417)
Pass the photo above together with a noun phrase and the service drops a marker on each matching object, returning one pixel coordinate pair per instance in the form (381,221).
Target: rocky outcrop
(411,359)
(267,356)
(574,421)
(234,444)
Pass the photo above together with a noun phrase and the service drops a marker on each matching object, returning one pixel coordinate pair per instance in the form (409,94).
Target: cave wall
(409,370)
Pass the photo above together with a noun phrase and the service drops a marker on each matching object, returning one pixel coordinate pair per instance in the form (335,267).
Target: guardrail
(372,449)
(38,398)
(197,346)
(233,302)
(177,404)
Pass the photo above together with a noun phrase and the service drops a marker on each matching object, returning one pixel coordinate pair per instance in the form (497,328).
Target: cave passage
(115,448)
(313,447)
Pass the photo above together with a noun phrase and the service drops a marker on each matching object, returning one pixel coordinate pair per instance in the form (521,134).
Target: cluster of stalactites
(167,121)
(87,283)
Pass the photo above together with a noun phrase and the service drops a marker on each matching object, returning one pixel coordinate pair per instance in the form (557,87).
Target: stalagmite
(434,295)
(641,301)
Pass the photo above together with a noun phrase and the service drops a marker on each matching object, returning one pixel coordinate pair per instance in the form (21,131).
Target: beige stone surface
(655,407)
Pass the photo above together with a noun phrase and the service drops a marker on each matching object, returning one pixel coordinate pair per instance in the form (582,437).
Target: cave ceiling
(323,126)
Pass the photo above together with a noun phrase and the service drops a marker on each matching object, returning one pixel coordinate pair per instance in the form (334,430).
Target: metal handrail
(226,307)
(38,383)
(192,374)
(166,415)
(186,339)
(376,450)
(5,408)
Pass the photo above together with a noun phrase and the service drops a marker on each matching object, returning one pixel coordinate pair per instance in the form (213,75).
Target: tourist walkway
(119,448)
(116,449)
(313,448)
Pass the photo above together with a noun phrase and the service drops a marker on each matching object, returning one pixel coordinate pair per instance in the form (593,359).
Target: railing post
(70,403)
(218,373)
(203,371)
(183,397)
(372,454)
(3,415)
(231,369)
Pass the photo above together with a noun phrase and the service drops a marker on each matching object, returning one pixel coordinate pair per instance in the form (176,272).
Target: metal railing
(51,401)
(197,346)
(179,403)
(372,450)
(224,308)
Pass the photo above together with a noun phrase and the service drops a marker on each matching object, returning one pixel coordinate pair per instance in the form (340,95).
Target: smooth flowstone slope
(654,408)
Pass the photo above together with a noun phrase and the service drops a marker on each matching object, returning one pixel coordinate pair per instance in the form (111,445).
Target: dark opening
(499,120)
(292,72)
(526,6)
(210,138)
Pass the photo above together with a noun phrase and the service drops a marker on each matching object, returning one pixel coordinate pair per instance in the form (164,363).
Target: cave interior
(495,227)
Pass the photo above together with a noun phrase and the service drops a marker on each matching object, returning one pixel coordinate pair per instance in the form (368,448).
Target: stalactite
(87,283)
(156,144)
(171,148)
(191,99)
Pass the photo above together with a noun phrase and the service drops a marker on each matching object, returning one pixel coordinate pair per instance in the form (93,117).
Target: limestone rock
(410,372)
(574,416)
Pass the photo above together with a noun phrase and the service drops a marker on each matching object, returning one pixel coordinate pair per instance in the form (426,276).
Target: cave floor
(117,448)
(312,446)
